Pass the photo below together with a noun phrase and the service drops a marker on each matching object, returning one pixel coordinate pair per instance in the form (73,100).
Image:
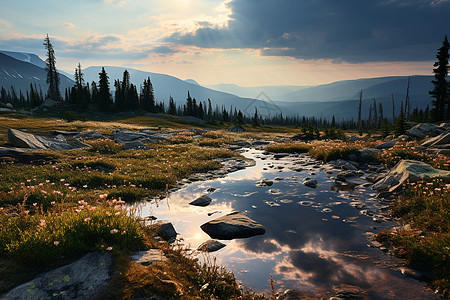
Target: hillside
(21,74)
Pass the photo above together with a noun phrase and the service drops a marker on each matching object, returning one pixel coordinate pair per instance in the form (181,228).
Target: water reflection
(314,240)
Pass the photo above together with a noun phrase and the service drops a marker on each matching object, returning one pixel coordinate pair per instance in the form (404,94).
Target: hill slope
(21,74)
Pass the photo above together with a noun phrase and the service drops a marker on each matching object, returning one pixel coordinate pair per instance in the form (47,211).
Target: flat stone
(265,182)
(211,246)
(422,130)
(203,200)
(90,135)
(441,139)
(386,145)
(232,226)
(146,258)
(82,279)
(22,139)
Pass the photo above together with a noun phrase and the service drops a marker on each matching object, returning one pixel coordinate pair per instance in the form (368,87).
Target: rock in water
(203,200)
(264,182)
(82,279)
(165,230)
(211,246)
(312,183)
(233,226)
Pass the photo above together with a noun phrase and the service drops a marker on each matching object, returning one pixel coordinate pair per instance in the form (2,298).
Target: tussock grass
(426,244)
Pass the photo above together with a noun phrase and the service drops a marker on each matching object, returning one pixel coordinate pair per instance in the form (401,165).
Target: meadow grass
(425,245)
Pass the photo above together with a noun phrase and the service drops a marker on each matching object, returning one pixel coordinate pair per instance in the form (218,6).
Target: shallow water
(315,240)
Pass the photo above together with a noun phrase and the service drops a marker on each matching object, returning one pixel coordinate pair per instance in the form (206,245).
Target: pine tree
(359,113)
(380,114)
(255,120)
(172,106)
(52,73)
(441,107)
(400,123)
(147,97)
(104,98)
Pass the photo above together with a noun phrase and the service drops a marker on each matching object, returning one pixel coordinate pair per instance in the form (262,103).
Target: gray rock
(197,131)
(165,230)
(386,145)
(82,279)
(264,182)
(121,136)
(191,119)
(260,143)
(203,200)
(352,177)
(135,145)
(211,246)
(422,130)
(236,129)
(146,258)
(232,226)
(22,139)
(90,135)
(344,165)
(409,170)
(9,105)
(312,183)
(280,155)
(444,125)
(293,295)
(442,139)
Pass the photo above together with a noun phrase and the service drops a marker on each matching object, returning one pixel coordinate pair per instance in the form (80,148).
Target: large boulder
(409,170)
(422,130)
(82,279)
(233,226)
(22,139)
(442,139)
(386,145)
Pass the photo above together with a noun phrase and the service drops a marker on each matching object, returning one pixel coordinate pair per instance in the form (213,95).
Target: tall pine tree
(441,107)
(104,98)
(52,73)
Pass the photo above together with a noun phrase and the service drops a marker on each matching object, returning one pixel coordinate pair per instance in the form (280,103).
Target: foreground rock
(442,139)
(22,139)
(165,230)
(422,130)
(233,226)
(211,246)
(312,183)
(83,279)
(203,200)
(409,170)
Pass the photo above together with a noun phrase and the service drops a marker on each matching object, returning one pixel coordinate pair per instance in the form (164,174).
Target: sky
(244,42)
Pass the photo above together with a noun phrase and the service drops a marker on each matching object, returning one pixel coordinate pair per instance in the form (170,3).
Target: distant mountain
(21,74)
(166,86)
(192,81)
(276,92)
(341,98)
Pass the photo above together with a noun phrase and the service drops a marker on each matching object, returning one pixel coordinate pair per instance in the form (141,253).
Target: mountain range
(339,98)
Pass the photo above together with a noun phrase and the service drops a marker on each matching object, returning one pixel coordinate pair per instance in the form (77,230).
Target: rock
(197,131)
(344,165)
(350,177)
(66,133)
(242,143)
(135,145)
(260,143)
(422,130)
(9,105)
(236,129)
(203,200)
(22,139)
(191,119)
(90,135)
(293,295)
(164,230)
(366,155)
(82,279)
(211,246)
(386,145)
(312,183)
(409,170)
(232,226)
(10,151)
(146,258)
(442,139)
(264,182)
(121,136)
(444,125)
(280,155)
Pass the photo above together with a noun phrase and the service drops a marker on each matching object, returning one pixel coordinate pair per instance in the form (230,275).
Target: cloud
(353,31)
(164,50)
(68,25)
(5,23)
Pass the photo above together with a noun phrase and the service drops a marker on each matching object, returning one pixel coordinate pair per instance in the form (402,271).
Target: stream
(317,240)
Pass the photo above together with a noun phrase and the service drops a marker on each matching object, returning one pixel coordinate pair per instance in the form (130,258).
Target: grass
(425,245)
(321,150)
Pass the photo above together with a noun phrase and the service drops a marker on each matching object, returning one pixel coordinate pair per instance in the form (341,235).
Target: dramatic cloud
(353,31)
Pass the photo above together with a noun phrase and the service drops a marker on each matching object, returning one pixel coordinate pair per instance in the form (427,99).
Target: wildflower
(47,181)
(103,196)
(87,219)
(113,231)
(109,248)
(34,204)
(117,213)
(56,243)
(42,223)
(53,203)
(62,180)
(28,180)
